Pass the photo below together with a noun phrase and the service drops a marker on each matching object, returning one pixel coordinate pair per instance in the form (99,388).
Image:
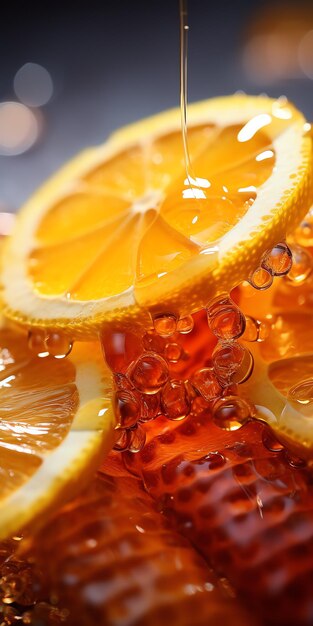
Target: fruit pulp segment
(38,401)
(137,216)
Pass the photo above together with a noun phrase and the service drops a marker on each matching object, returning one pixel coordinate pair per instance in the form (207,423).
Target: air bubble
(137,439)
(149,373)
(173,352)
(185,325)
(127,408)
(165,325)
(175,401)
(302,265)
(231,413)
(278,260)
(206,383)
(261,279)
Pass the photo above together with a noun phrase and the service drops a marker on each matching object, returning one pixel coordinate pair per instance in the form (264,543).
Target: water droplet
(123,441)
(149,407)
(231,413)
(206,383)
(152,342)
(185,325)
(227,357)
(165,325)
(58,345)
(278,260)
(175,401)
(173,352)
(302,265)
(149,373)
(302,393)
(137,440)
(36,341)
(226,322)
(261,279)
(127,408)
(294,461)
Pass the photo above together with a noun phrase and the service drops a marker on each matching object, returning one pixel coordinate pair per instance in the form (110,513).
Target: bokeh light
(19,128)
(33,85)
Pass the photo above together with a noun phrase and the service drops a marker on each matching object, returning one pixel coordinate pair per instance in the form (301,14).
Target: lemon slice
(56,423)
(121,229)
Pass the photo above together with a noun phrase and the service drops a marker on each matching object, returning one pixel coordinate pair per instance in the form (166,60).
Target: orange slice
(121,229)
(281,385)
(56,422)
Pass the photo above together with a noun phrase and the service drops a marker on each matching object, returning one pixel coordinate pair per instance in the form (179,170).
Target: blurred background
(72,73)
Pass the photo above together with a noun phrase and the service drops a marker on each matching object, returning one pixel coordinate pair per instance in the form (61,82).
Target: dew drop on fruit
(123,440)
(175,401)
(173,352)
(127,408)
(231,413)
(261,279)
(302,265)
(58,345)
(165,325)
(137,439)
(206,383)
(185,325)
(149,373)
(278,260)
(302,393)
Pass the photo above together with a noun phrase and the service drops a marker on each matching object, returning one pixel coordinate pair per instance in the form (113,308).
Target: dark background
(114,63)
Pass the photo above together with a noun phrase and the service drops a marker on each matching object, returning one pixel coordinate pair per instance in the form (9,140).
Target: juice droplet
(185,325)
(278,260)
(302,265)
(294,461)
(137,439)
(121,347)
(36,341)
(252,329)
(173,352)
(149,373)
(127,408)
(231,413)
(58,345)
(261,279)
(304,232)
(149,407)
(206,383)
(302,393)
(214,460)
(165,325)
(175,401)
(123,441)
(226,322)
(227,358)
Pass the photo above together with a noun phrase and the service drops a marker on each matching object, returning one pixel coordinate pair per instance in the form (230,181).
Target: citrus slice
(121,229)
(56,422)
(281,386)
